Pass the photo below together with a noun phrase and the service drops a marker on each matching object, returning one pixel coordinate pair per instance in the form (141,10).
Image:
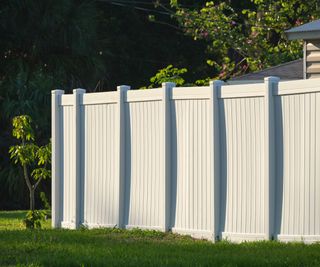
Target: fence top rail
(298,87)
(99,98)
(180,93)
(239,82)
(90,98)
(66,100)
(242,90)
(143,95)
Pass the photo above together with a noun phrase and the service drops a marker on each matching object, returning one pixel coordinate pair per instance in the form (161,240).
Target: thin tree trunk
(30,187)
(32,199)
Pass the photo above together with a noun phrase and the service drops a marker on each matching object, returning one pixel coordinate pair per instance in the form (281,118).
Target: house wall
(237,162)
(312,59)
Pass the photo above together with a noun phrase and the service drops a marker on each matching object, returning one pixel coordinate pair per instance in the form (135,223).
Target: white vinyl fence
(237,162)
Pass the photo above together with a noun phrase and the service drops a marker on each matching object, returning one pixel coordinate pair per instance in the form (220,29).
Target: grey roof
(292,70)
(306,31)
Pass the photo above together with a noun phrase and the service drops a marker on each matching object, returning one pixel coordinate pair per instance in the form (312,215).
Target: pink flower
(205,34)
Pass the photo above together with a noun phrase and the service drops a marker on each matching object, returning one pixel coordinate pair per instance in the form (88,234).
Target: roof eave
(305,35)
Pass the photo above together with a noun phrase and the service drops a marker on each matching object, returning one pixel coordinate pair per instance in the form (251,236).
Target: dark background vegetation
(67,44)
(97,45)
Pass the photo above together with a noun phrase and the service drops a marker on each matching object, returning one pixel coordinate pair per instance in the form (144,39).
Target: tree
(33,159)
(44,45)
(246,36)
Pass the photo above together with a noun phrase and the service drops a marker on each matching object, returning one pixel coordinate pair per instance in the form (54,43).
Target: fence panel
(99,150)
(298,157)
(192,197)
(242,168)
(239,162)
(144,163)
(68,176)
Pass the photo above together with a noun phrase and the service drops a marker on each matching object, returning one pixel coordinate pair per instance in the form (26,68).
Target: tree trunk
(31,199)
(30,187)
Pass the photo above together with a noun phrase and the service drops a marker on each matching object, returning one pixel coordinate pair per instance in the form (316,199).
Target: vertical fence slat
(56,139)
(120,153)
(166,152)
(271,84)
(215,156)
(77,97)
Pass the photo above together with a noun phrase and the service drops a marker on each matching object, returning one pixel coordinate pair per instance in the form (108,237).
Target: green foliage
(34,218)
(43,157)
(246,36)
(23,154)
(32,158)
(27,152)
(97,45)
(44,45)
(22,129)
(39,173)
(44,154)
(69,44)
(168,74)
(203,82)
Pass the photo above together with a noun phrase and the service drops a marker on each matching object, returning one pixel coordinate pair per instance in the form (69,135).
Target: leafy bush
(168,74)
(34,218)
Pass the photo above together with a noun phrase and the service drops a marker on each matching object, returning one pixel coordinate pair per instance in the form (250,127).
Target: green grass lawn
(113,247)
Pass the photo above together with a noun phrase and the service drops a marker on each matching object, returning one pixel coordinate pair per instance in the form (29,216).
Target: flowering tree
(247,35)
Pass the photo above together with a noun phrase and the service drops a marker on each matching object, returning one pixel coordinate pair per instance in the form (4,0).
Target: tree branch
(37,183)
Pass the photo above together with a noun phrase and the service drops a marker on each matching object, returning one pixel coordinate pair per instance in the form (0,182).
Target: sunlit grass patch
(118,247)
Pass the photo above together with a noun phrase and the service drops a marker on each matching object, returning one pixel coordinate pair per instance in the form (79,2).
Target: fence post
(77,98)
(166,153)
(56,157)
(215,87)
(271,83)
(121,165)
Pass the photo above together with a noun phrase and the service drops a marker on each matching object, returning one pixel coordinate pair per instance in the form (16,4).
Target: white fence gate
(239,162)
